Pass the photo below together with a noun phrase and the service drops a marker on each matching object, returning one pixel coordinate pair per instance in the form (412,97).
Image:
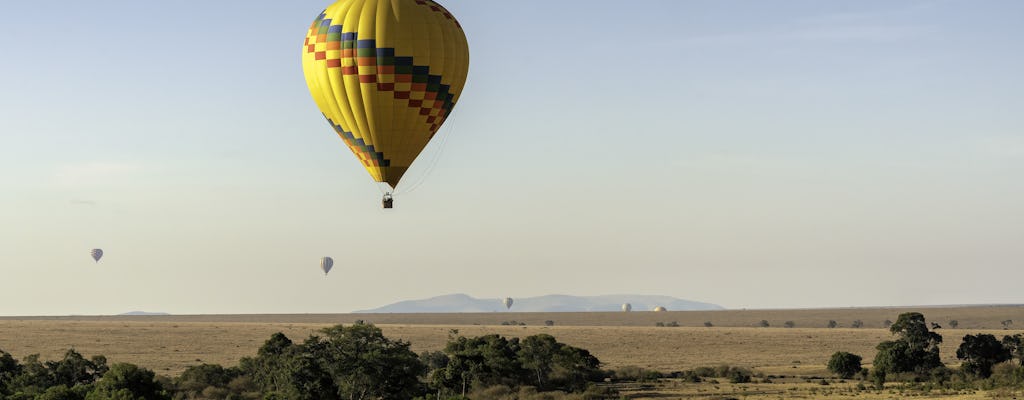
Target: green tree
(9,369)
(789,324)
(127,382)
(844,364)
(488,360)
(832,323)
(980,353)
(61,392)
(573,368)
(199,377)
(74,369)
(764,323)
(271,368)
(536,354)
(954,323)
(915,350)
(1015,344)
(367,365)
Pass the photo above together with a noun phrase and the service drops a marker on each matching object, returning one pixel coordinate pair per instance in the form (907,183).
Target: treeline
(913,356)
(355,362)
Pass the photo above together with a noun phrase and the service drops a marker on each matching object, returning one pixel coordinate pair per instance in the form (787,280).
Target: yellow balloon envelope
(386,74)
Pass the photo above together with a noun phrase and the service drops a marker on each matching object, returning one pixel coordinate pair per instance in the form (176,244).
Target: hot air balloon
(627,307)
(326,264)
(659,309)
(386,74)
(508,303)
(96,254)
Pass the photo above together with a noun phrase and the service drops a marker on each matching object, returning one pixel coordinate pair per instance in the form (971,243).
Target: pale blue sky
(745,153)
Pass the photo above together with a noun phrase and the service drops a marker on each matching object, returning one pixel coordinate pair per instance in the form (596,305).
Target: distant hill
(456,303)
(136,313)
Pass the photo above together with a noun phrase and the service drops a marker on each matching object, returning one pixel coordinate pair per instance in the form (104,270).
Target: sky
(785,154)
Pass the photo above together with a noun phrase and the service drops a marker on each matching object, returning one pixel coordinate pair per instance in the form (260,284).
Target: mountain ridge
(463,303)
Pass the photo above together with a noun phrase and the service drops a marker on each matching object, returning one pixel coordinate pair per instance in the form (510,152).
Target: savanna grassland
(169,344)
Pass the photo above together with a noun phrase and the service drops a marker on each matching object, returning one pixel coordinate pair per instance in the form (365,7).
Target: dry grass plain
(168,344)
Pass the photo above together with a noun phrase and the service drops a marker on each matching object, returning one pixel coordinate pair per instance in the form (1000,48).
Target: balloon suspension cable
(437,156)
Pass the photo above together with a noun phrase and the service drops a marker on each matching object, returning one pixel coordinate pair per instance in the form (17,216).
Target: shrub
(789,324)
(953,323)
(708,324)
(549,323)
(857,324)
(980,353)
(764,323)
(844,364)
(832,323)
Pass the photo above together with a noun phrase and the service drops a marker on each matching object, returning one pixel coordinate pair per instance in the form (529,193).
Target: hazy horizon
(792,154)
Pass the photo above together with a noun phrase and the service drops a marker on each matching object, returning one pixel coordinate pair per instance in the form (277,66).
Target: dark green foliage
(789,324)
(954,323)
(980,353)
(206,378)
(1015,344)
(493,360)
(62,392)
(764,323)
(857,324)
(844,364)
(832,323)
(916,349)
(708,324)
(9,369)
(74,369)
(127,382)
(549,323)
(354,362)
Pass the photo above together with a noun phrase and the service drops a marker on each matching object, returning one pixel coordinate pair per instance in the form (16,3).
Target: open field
(168,344)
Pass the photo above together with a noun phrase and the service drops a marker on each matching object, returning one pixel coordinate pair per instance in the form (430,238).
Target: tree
(488,360)
(857,324)
(365,364)
(763,323)
(789,324)
(1015,344)
(980,353)
(915,350)
(62,392)
(887,324)
(1006,323)
(9,368)
(127,382)
(197,378)
(74,369)
(954,323)
(708,324)
(844,364)
(832,323)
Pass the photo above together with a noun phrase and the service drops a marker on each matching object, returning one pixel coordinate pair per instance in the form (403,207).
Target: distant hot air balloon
(96,254)
(627,307)
(508,303)
(386,74)
(659,309)
(326,264)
